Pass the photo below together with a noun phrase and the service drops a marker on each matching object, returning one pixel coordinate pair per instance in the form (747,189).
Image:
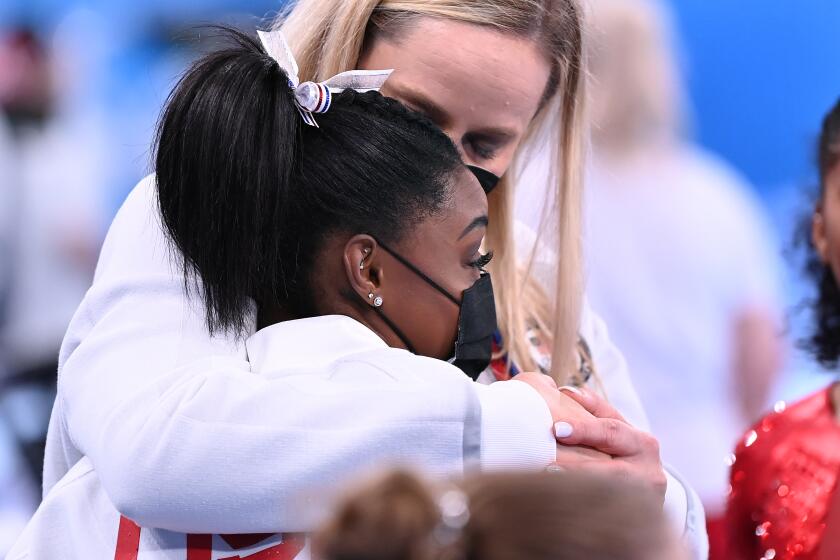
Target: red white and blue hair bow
(316,97)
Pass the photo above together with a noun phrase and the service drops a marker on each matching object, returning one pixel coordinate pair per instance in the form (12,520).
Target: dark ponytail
(247,192)
(225,154)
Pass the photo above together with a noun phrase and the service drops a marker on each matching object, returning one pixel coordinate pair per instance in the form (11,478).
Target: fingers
(608,435)
(537,379)
(595,405)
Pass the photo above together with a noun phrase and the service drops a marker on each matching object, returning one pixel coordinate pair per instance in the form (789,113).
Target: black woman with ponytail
(262,206)
(336,258)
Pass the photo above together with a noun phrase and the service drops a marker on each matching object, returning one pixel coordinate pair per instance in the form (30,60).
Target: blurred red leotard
(784,480)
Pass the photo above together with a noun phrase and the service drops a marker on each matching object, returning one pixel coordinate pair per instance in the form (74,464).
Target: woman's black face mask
(477,317)
(476,321)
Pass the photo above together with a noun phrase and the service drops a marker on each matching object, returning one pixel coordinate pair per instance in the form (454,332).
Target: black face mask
(476,321)
(486,179)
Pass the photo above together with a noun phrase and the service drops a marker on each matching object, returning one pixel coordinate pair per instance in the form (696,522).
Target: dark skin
(353,269)
(825,232)
(444,246)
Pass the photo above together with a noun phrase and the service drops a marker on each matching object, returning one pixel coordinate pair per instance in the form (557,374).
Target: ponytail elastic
(311,97)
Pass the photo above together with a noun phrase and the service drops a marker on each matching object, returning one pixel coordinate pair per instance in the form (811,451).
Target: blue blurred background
(760,75)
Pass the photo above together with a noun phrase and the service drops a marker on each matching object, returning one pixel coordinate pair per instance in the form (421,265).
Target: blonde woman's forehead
(468,79)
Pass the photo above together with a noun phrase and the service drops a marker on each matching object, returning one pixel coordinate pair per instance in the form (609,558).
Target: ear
(362,264)
(818,236)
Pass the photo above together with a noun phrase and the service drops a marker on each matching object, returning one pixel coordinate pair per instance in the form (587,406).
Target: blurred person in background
(498,516)
(56,222)
(18,489)
(785,502)
(678,256)
(50,236)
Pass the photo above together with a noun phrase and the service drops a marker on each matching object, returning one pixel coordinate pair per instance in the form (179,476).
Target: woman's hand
(562,407)
(634,453)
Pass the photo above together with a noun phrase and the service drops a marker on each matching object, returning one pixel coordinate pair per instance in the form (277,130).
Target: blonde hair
(328,36)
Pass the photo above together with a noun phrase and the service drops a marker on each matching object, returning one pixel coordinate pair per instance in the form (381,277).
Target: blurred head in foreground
(511,516)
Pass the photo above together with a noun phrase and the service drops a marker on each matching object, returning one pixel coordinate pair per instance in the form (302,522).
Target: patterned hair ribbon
(316,97)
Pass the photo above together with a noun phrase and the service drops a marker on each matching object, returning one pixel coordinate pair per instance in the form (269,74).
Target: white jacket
(183,436)
(340,361)
(272,463)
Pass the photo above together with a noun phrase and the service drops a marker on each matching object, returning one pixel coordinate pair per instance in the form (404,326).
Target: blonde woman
(152,400)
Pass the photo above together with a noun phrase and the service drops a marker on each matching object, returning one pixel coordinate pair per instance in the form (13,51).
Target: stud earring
(377,301)
(370,295)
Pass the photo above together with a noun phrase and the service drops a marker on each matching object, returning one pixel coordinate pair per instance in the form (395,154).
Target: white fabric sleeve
(516,427)
(185,437)
(686,515)
(681,503)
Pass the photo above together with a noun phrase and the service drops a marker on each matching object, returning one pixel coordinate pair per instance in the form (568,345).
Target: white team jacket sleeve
(184,436)
(683,508)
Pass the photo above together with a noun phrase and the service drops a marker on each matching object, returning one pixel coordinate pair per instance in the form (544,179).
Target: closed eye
(483,150)
(486,145)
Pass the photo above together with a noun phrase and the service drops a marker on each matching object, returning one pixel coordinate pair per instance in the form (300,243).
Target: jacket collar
(306,344)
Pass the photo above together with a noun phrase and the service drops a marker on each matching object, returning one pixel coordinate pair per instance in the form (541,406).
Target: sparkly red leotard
(783,478)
